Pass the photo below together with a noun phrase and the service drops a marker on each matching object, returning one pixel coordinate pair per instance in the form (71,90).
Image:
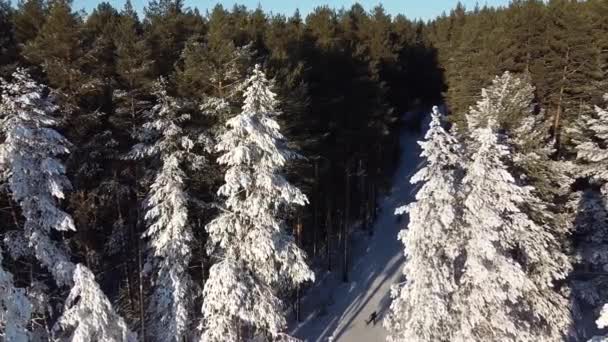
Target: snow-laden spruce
(15,309)
(30,164)
(255,256)
(592,156)
(602,323)
(505,291)
(30,159)
(421,308)
(509,262)
(590,134)
(507,100)
(168,231)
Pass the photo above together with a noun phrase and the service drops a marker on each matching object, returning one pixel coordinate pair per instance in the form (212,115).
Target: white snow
(256,258)
(336,311)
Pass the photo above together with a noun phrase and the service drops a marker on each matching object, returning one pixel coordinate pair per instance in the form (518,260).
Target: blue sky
(425,9)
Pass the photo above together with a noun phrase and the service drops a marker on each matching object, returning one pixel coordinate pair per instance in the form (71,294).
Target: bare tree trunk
(203,271)
(372,202)
(141,291)
(328,232)
(340,230)
(346,229)
(368,208)
(238,331)
(362,195)
(299,286)
(315,228)
(125,251)
(142,316)
(559,109)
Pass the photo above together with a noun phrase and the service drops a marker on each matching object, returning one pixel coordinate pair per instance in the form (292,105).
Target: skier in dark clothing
(372,318)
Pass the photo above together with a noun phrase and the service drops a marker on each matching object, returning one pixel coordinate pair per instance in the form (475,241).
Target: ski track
(335,311)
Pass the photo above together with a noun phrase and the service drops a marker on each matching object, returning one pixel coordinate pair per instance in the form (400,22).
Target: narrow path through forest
(338,311)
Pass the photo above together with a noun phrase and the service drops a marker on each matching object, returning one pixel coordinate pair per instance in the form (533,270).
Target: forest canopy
(135,148)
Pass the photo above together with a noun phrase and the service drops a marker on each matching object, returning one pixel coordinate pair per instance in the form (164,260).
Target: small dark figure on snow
(372,318)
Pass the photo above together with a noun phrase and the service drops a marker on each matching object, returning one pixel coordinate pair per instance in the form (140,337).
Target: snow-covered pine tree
(255,256)
(31,166)
(590,135)
(592,156)
(168,231)
(507,100)
(15,309)
(602,323)
(34,173)
(421,308)
(531,162)
(88,314)
(509,262)
(509,104)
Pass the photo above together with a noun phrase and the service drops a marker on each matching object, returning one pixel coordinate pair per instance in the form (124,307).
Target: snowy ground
(337,311)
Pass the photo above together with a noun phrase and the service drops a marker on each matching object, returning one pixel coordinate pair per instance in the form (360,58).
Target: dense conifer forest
(174,175)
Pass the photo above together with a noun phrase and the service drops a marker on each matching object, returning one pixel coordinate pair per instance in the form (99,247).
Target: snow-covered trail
(337,311)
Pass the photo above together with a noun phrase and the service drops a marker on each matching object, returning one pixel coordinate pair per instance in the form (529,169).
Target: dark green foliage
(560,44)
(29,19)
(167,28)
(8,43)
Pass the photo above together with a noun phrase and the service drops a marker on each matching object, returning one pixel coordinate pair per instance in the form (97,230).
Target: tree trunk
(328,232)
(368,209)
(559,109)
(125,251)
(315,228)
(346,229)
(299,286)
(141,291)
(362,194)
(139,261)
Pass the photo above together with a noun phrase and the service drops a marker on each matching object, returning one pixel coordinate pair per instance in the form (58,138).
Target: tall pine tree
(255,256)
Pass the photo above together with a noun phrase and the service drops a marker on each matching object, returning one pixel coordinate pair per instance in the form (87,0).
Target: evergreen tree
(88,315)
(133,68)
(525,24)
(29,17)
(510,262)
(133,71)
(212,72)
(15,308)
(8,43)
(256,257)
(597,10)
(100,51)
(602,322)
(565,85)
(421,309)
(167,30)
(36,177)
(58,50)
(591,222)
(590,135)
(508,101)
(168,231)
